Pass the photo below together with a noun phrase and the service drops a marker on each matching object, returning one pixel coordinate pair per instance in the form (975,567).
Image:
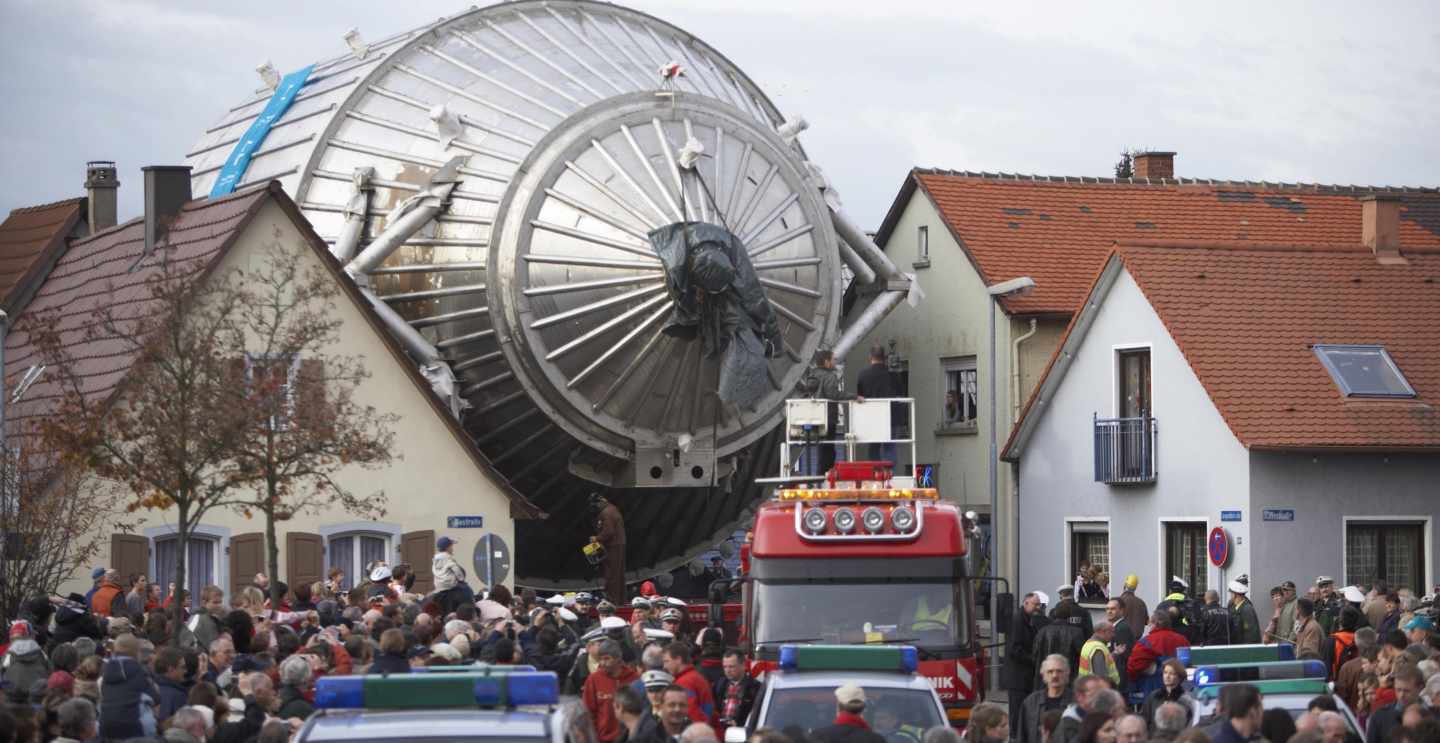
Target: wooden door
(304,558)
(416,548)
(247,557)
(129,555)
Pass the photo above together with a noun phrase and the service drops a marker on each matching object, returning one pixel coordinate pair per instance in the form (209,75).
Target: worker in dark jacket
(875,381)
(1214,620)
(1065,596)
(1054,695)
(822,382)
(1063,636)
(610,532)
(735,693)
(1018,673)
(1245,624)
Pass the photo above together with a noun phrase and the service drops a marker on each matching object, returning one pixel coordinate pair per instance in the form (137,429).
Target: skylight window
(1364,371)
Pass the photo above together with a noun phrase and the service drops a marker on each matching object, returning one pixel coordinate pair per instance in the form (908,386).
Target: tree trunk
(272,557)
(182,546)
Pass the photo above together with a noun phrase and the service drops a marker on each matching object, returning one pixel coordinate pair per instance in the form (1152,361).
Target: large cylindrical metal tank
(535,281)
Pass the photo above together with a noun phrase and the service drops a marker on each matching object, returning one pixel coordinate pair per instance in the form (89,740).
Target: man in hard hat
(1245,624)
(1136,612)
(610,532)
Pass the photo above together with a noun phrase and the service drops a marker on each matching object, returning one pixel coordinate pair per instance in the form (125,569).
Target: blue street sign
(1229,515)
(1279,514)
(239,160)
(465,522)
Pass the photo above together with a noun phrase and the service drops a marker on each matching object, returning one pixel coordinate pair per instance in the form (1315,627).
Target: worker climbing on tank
(610,533)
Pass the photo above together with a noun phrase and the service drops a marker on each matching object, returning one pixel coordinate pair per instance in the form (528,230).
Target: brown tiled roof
(1246,319)
(96,272)
(1059,230)
(30,238)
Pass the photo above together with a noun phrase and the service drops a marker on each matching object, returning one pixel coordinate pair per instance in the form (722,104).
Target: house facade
(961,232)
(1287,398)
(438,483)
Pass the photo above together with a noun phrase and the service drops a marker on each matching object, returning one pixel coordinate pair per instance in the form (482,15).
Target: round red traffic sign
(1219,547)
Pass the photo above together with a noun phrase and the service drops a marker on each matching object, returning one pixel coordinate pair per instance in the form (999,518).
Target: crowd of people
(110,665)
(1119,679)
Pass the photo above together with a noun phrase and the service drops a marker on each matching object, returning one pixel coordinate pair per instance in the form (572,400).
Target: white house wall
(431,478)
(1202,468)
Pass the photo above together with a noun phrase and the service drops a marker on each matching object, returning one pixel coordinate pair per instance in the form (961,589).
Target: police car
(900,704)
(458,704)
(1287,684)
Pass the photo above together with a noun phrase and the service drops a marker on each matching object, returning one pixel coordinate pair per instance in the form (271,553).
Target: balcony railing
(1125,450)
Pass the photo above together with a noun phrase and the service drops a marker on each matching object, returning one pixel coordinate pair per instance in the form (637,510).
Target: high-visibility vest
(1092,647)
(923,614)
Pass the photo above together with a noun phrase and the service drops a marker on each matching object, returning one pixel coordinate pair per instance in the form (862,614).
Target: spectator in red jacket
(598,693)
(702,700)
(1160,643)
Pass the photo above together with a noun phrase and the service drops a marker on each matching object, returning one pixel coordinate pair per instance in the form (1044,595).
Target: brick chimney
(1154,164)
(100,187)
(1380,227)
(167,188)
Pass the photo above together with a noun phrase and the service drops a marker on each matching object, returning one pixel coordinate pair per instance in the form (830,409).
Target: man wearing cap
(670,621)
(598,694)
(1285,622)
(1078,613)
(1328,605)
(1184,611)
(849,725)
(655,682)
(24,663)
(1245,624)
(1136,612)
(379,582)
(610,533)
(451,590)
(1419,629)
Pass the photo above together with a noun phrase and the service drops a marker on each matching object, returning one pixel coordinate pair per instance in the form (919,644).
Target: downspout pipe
(1015,369)
(1011,528)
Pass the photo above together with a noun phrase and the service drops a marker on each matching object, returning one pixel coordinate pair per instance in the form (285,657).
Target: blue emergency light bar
(902,658)
(478,687)
(471,668)
(1234,672)
(1304,687)
(1234,654)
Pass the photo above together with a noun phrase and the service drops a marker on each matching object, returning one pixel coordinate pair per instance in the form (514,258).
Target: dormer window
(1364,371)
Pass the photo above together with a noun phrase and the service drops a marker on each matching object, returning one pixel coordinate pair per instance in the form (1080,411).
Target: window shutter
(416,548)
(309,392)
(304,558)
(129,555)
(247,557)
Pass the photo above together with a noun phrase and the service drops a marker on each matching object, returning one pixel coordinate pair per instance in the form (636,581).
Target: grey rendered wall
(1202,469)
(1325,489)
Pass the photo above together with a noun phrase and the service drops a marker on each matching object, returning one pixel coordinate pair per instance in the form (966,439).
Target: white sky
(1324,92)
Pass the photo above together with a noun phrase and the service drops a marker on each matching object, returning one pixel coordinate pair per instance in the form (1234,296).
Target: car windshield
(887,710)
(928,615)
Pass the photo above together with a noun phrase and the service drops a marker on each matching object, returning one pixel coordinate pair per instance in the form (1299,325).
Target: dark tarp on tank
(716,297)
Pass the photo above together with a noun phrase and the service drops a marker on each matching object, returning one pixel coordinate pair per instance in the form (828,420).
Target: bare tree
(168,432)
(52,525)
(309,425)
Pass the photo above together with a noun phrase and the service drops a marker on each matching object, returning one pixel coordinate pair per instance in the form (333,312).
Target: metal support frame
(408,218)
(356,212)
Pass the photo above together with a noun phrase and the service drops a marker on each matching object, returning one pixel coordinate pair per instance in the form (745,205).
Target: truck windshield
(887,710)
(929,615)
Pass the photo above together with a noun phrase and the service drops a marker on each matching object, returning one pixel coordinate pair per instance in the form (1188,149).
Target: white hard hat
(1044,598)
(567,615)
(380,573)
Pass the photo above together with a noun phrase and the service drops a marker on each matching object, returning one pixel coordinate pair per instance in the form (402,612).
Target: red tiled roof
(95,273)
(29,239)
(1246,318)
(1060,230)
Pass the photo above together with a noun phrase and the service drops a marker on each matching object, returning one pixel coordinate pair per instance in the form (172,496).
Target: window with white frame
(202,556)
(1089,559)
(1186,554)
(1392,551)
(961,391)
(922,244)
(352,551)
(274,375)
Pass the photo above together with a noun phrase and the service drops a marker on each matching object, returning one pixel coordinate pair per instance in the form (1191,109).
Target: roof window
(1364,371)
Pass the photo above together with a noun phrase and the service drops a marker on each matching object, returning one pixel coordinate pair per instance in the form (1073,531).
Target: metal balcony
(1125,450)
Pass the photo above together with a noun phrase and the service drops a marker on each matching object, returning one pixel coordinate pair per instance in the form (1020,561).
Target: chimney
(1154,164)
(100,188)
(1380,227)
(167,188)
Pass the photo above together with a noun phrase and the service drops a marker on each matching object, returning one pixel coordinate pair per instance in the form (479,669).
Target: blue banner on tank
(239,160)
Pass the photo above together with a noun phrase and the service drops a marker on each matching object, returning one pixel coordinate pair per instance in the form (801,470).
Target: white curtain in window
(199,567)
(372,549)
(164,562)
